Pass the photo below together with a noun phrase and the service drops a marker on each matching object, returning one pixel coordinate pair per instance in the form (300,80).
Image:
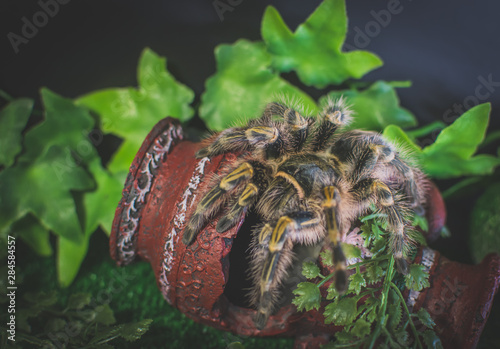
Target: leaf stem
(425,130)
(382,316)
(355,265)
(325,280)
(366,261)
(412,325)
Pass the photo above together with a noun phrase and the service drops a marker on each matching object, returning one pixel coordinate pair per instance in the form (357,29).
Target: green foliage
(59,159)
(417,278)
(452,154)
(356,282)
(425,318)
(82,323)
(373,309)
(375,107)
(43,182)
(13,118)
(315,47)
(484,229)
(130,113)
(310,270)
(242,86)
(341,312)
(351,251)
(54,162)
(307,296)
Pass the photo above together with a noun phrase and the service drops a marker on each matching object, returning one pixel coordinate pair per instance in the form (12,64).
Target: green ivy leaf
(46,185)
(432,340)
(33,234)
(65,125)
(356,282)
(13,118)
(130,112)
(417,278)
(310,270)
(397,136)
(451,155)
(361,328)
(307,296)
(100,204)
(243,84)
(425,318)
(70,255)
(314,49)
(375,107)
(341,312)
(49,169)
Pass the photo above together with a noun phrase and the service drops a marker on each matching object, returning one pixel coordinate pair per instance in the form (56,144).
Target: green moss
(133,295)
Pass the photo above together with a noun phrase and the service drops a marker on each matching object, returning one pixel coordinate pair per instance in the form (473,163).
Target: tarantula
(308,183)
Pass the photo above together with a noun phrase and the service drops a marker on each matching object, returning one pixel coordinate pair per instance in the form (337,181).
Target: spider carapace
(309,181)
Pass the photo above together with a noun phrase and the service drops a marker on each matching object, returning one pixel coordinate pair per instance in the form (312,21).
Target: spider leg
(298,125)
(335,115)
(383,161)
(268,138)
(212,201)
(377,158)
(377,192)
(272,255)
(246,198)
(330,208)
(412,181)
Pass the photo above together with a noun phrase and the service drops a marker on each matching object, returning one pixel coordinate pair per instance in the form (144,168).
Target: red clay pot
(163,188)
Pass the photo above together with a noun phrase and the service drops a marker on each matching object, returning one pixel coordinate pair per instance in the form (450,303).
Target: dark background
(443,47)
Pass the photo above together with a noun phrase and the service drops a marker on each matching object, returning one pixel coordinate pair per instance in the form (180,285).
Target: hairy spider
(309,184)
